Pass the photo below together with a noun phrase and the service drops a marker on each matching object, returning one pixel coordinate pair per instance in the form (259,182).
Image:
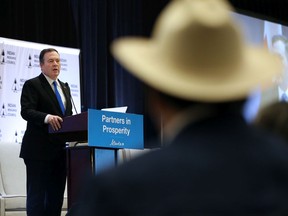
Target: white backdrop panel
(19,61)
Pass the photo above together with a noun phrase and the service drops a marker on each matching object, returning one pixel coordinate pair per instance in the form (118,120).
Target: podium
(104,132)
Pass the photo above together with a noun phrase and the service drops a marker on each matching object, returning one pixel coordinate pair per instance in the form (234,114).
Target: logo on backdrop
(64,64)
(29,61)
(9,110)
(3,111)
(10,57)
(2,57)
(15,86)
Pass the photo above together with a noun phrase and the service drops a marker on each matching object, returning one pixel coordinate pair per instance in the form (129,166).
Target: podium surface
(74,128)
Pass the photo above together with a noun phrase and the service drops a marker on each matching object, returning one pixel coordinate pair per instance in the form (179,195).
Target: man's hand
(55,122)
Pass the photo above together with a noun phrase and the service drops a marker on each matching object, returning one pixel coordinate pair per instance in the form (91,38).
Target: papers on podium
(122,109)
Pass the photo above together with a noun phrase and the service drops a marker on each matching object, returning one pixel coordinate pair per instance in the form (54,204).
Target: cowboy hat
(196,52)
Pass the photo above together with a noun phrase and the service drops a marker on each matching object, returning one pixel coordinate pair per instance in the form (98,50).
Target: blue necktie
(59,97)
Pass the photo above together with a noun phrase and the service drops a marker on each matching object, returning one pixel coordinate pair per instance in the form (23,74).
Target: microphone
(71,98)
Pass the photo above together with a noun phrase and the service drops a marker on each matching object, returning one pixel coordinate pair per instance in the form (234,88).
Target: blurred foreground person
(198,72)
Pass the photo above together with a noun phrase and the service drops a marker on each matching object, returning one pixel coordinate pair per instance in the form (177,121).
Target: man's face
(51,65)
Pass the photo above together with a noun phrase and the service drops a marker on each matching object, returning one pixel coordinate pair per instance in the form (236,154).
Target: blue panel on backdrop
(115,130)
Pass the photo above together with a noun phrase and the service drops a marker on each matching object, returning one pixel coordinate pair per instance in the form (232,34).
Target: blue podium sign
(115,130)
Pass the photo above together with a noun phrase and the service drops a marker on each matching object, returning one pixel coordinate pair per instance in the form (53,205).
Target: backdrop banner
(19,61)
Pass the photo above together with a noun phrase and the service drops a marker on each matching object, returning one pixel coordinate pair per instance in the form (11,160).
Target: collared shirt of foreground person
(199,73)
(44,155)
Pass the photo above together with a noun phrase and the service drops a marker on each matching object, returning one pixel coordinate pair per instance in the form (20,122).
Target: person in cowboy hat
(198,72)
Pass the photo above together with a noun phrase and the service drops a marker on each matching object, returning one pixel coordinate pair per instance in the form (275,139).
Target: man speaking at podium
(45,100)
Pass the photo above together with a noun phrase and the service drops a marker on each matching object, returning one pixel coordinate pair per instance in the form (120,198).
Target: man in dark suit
(199,73)
(43,154)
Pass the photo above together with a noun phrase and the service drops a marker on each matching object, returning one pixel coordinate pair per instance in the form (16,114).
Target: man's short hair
(43,52)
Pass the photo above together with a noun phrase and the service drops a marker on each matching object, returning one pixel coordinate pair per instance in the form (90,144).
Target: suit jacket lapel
(46,87)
